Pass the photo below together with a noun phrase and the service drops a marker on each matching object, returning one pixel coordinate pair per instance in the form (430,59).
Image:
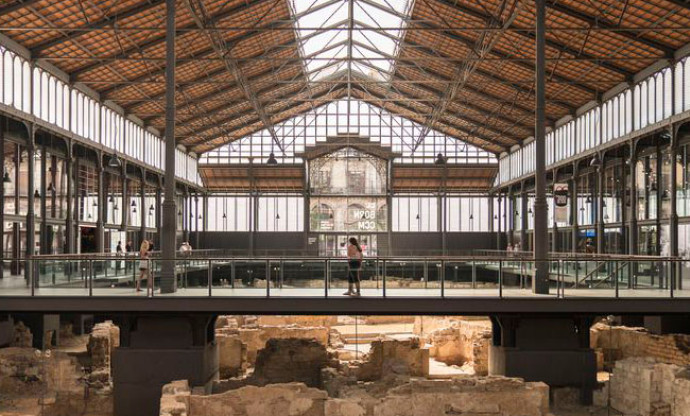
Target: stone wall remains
(255,338)
(232,355)
(619,342)
(486,396)
(392,356)
(646,387)
(47,383)
(464,342)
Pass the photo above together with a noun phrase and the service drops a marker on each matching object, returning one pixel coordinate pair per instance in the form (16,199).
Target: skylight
(338,49)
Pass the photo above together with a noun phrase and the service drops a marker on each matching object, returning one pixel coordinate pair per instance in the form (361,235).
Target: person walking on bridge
(354,262)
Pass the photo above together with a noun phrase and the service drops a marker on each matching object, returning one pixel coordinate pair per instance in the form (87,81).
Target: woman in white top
(144,266)
(354,262)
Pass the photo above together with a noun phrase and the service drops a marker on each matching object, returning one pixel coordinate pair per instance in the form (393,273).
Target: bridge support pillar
(155,350)
(555,351)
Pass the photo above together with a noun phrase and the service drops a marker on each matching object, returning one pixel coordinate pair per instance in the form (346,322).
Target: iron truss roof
(465,68)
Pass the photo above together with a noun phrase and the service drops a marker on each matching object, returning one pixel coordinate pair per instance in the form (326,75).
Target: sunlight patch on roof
(328,52)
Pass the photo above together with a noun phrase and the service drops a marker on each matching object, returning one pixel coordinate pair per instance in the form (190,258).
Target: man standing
(118,254)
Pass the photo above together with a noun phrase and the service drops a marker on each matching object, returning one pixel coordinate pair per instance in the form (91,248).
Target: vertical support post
(196,220)
(673,215)
(30,214)
(523,216)
(142,204)
(632,232)
(2,198)
(499,217)
(100,209)
(389,209)
(69,222)
(204,219)
(43,208)
(186,223)
(168,282)
(159,213)
(601,188)
(540,282)
(510,215)
(574,210)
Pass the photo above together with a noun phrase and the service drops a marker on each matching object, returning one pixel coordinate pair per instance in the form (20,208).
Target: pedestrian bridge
(482,283)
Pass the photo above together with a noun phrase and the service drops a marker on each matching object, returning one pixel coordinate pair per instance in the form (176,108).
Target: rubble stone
(392,356)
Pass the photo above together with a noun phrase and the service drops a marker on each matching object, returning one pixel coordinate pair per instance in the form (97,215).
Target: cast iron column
(601,184)
(632,231)
(144,209)
(499,217)
(30,189)
(523,217)
(100,212)
(69,222)
(43,208)
(673,215)
(169,229)
(2,198)
(540,282)
(574,209)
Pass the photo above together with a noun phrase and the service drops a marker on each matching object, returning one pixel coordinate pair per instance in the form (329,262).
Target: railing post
(425,272)
(32,283)
(209,277)
(615,275)
(90,277)
(233,274)
(281,265)
(443,279)
(268,278)
(474,274)
(561,280)
(325,278)
(500,279)
(384,278)
(672,266)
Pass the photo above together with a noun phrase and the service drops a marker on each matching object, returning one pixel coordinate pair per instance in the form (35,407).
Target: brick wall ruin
(489,396)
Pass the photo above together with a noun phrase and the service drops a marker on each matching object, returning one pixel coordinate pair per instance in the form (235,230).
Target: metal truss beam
(477,136)
(483,46)
(598,21)
(107,20)
(203,145)
(158,40)
(198,12)
(549,42)
(17,5)
(503,55)
(242,114)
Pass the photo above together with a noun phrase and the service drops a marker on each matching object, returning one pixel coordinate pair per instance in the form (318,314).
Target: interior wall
(402,243)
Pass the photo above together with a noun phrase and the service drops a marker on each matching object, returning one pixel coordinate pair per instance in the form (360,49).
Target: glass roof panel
(376,24)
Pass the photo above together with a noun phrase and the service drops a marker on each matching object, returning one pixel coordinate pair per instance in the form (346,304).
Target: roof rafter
(158,40)
(549,42)
(36,50)
(598,22)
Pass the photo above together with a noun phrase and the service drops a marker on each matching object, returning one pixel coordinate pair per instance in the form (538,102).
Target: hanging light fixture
(417,216)
(110,198)
(36,194)
(199,216)
(89,217)
(115,208)
(134,210)
(595,162)
(6,177)
(440,159)
(151,208)
(471,217)
(272,159)
(277,216)
(179,213)
(95,204)
(134,203)
(114,162)
(588,200)
(529,211)
(50,188)
(224,216)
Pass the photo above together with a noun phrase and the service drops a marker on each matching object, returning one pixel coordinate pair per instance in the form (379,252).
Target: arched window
(18,83)
(9,78)
(52,111)
(26,88)
(45,103)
